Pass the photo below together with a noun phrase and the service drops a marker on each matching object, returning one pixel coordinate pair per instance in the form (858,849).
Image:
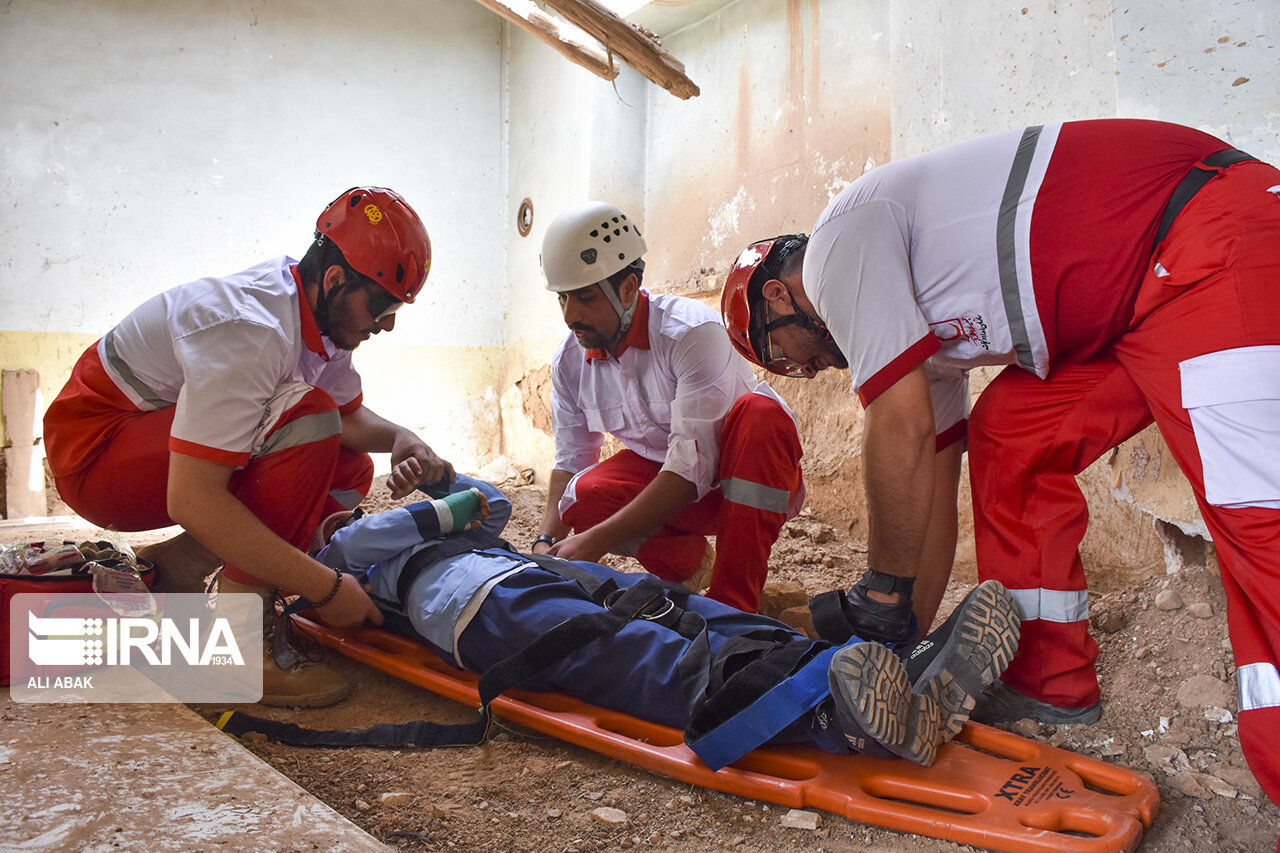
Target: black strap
(1193,182)
(460,542)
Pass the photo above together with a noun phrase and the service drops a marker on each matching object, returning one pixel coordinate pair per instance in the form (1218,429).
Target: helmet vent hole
(607,238)
(399,273)
(616,232)
(595,233)
(355,200)
(622,256)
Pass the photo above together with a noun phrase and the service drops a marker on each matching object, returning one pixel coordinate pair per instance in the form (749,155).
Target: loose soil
(1169,706)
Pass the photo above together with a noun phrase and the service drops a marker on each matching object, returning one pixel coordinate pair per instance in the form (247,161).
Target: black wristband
(337,584)
(545,538)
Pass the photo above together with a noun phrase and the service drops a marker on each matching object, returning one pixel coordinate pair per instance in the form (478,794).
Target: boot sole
(981,646)
(871,685)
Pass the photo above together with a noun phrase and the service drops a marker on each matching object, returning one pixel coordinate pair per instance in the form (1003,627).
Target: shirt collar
(311,336)
(637,336)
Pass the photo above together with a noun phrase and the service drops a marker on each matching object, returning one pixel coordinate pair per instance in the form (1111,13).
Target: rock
(797,819)
(1109,621)
(1169,759)
(362,805)
(595,795)
(394,798)
(1168,599)
(1216,786)
(777,596)
(1239,778)
(609,816)
(1199,691)
(1026,728)
(1214,714)
(1201,610)
(799,618)
(553,814)
(1187,785)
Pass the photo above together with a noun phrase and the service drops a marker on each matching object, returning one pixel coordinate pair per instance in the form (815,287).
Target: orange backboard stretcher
(988,788)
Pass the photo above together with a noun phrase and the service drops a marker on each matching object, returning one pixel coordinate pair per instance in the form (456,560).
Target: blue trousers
(637,670)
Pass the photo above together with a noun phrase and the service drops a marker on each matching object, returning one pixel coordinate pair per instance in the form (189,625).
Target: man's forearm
(199,501)
(898,454)
(657,502)
(552,525)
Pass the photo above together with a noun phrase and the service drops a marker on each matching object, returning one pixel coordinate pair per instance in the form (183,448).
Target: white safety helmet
(587,244)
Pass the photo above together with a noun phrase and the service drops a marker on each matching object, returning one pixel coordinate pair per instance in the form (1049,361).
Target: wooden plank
(546,28)
(639,49)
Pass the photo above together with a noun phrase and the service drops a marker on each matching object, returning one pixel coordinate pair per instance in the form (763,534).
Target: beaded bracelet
(337,584)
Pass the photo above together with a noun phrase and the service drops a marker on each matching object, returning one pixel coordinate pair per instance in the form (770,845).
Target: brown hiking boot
(290,679)
(700,580)
(182,564)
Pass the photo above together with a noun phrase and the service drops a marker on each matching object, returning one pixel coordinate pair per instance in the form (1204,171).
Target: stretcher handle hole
(640,730)
(793,768)
(954,800)
(1083,823)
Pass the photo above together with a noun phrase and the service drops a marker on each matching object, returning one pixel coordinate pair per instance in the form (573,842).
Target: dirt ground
(1168,690)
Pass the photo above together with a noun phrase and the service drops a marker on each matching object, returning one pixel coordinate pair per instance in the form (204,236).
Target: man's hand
(351,606)
(413,463)
(579,546)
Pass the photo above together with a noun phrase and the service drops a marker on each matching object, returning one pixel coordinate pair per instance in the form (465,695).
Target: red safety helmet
(381,238)
(735,304)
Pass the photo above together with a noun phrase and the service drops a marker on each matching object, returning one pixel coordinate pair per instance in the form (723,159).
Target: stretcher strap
(765,717)
(420,733)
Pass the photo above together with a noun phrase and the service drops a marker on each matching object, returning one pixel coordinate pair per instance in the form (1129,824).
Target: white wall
(146,144)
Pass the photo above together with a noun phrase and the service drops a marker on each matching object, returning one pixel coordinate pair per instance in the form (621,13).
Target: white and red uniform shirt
(232,354)
(994,251)
(664,397)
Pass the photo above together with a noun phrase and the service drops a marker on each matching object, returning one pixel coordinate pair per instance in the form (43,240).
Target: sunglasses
(775,360)
(381,304)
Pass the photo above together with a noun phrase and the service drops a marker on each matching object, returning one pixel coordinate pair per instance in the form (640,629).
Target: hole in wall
(524,217)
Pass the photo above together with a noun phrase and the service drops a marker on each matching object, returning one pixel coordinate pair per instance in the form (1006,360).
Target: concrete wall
(147,144)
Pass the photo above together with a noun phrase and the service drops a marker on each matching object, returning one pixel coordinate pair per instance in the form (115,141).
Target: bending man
(1125,271)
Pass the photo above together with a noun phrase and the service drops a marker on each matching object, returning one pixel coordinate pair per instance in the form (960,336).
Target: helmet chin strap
(804,321)
(625,315)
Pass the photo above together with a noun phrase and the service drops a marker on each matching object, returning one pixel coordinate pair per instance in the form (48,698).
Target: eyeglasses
(381,304)
(775,360)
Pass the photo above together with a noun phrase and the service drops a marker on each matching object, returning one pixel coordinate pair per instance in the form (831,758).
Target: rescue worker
(708,448)
(230,406)
(1124,271)
(441,573)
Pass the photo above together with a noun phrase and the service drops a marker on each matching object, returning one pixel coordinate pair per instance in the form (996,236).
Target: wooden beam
(639,49)
(547,28)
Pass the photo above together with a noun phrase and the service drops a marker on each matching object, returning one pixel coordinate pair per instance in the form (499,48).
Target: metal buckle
(671,605)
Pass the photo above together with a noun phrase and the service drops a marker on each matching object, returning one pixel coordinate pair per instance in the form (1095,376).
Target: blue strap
(769,714)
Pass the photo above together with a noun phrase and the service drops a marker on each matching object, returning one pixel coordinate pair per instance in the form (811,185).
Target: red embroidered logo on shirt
(972,329)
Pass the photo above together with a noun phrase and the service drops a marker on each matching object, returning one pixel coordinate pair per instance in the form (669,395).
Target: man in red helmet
(709,449)
(1125,271)
(229,406)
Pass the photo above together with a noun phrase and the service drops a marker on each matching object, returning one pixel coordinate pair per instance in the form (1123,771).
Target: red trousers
(759,478)
(119,470)
(1201,357)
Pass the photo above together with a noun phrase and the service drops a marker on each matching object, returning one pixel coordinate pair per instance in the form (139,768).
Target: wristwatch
(546,538)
